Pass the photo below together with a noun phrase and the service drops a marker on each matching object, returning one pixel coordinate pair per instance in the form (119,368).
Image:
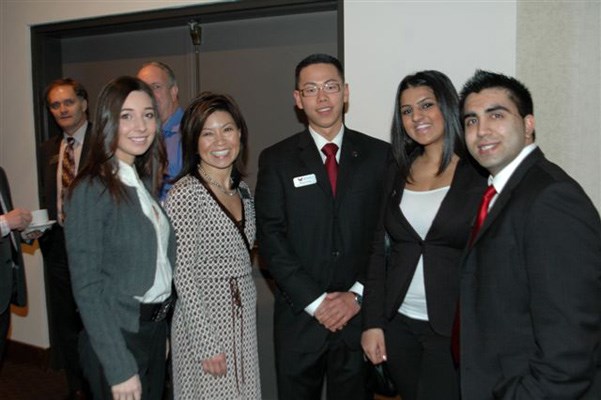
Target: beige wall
(559,58)
(386,40)
(552,46)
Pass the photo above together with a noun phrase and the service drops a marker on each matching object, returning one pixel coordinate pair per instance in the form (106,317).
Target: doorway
(248,49)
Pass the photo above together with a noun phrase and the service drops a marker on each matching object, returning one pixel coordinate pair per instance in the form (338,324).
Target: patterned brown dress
(216,307)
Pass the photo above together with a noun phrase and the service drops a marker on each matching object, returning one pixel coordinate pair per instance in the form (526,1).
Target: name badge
(304,180)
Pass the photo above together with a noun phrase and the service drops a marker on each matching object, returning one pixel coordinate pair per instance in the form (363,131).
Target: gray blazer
(112,257)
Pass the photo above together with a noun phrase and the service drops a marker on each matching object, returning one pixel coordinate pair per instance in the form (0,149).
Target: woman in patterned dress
(214,334)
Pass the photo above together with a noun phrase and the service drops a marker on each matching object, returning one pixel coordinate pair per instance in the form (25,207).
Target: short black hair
(517,91)
(317,58)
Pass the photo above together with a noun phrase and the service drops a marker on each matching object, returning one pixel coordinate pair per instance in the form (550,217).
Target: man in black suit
(67,100)
(316,215)
(12,273)
(531,281)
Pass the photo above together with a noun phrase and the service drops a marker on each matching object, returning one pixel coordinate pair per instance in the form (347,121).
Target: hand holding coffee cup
(18,218)
(39,223)
(39,217)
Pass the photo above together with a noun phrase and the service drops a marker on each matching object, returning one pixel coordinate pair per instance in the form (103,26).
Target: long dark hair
(404,148)
(101,162)
(191,126)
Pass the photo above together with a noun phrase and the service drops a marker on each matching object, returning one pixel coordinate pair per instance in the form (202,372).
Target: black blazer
(387,283)
(312,242)
(8,257)
(531,292)
(52,243)
(49,156)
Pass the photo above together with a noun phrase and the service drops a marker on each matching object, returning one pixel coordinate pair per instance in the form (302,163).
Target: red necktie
(330,151)
(482,213)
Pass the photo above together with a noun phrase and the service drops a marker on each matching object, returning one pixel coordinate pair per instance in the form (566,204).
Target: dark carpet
(26,381)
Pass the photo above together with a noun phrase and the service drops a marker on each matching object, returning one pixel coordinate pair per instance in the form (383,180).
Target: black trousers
(4,325)
(300,376)
(64,322)
(148,347)
(420,361)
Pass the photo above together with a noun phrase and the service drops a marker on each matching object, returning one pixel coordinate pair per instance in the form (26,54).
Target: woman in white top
(411,290)
(121,247)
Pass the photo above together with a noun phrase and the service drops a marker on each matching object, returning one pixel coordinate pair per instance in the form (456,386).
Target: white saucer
(39,227)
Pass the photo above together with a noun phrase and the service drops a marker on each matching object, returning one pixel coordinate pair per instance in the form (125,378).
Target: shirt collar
(320,141)
(500,180)
(79,134)
(127,174)
(171,126)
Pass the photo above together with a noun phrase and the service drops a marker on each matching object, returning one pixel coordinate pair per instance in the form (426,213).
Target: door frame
(46,39)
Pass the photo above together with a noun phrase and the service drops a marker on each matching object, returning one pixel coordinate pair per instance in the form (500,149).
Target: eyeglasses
(313,90)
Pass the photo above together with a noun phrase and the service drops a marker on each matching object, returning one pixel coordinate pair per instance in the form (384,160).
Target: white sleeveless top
(419,208)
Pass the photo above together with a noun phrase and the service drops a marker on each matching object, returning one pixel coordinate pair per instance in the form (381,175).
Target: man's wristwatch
(358,299)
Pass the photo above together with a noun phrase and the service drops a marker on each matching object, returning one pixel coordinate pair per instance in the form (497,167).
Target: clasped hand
(336,310)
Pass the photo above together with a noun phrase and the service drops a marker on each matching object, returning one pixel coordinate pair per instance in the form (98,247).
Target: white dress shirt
(500,180)
(79,137)
(161,288)
(320,141)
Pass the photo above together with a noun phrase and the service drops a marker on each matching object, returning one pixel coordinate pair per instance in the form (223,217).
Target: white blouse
(161,288)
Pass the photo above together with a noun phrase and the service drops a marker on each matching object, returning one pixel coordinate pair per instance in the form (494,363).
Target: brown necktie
(330,151)
(482,213)
(68,170)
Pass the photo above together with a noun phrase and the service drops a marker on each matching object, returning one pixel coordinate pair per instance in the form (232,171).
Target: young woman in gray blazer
(121,247)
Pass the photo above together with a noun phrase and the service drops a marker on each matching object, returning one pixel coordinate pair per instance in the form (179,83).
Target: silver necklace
(213,182)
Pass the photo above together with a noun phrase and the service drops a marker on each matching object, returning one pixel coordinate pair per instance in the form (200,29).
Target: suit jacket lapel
(350,155)
(4,192)
(457,185)
(395,206)
(85,147)
(53,162)
(507,191)
(309,156)
(7,206)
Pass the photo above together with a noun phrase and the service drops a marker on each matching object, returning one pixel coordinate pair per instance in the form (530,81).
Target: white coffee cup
(39,217)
